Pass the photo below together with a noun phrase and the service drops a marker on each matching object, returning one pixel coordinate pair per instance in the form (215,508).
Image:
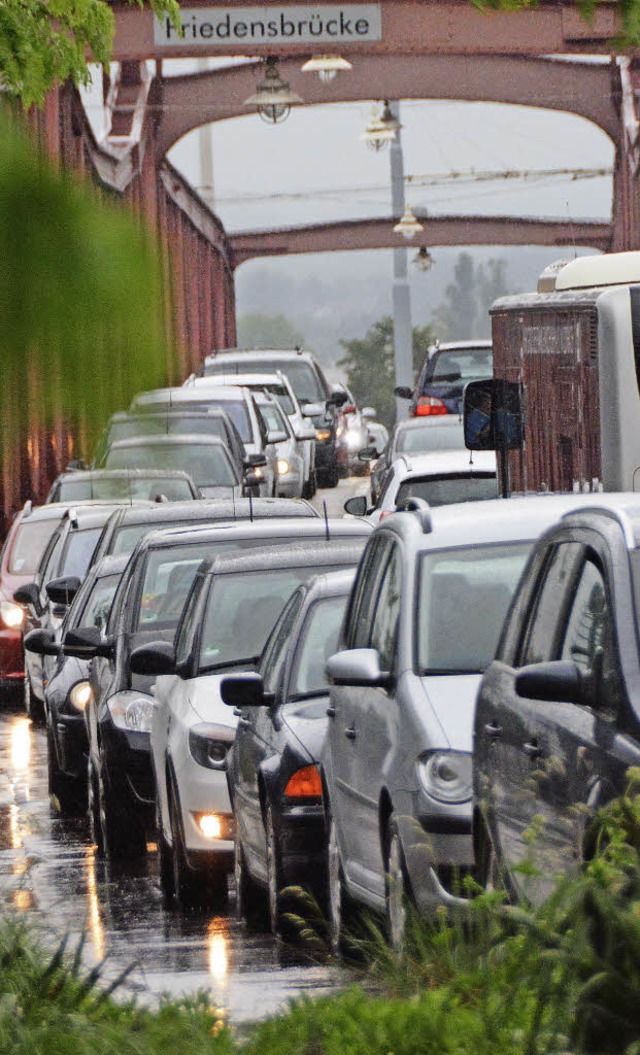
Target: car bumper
(126,758)
(11,655)
(72,744)
(438,852)
(203,791)
(303,842)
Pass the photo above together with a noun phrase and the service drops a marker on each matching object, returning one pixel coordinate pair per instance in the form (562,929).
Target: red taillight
(386,513)
(428,405)
(304,784)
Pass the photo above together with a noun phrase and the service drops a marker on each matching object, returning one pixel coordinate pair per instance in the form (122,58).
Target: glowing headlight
(283,467)
(353,441)
(446,776)
(80,695)
(209,744)
(323,434)
(12,615)
(257,473)
(132,711)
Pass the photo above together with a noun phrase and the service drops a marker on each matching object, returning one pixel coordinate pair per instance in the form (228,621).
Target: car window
(462,599)
(188,620)
(448,489)
(284,399)
(589,633)
(317,641)
(98,605)
(29,545)
(206,464)
(457,364)
(360,614)
(273,417)
(554,591)
(305,382)
(384,632)
(167,581)
(277,647)
(433,437)
(79,551)
(49,563)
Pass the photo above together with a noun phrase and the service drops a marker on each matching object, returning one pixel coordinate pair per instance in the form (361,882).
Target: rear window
(29,544)
(207,465)
(305,382)
(125,488)
(435,437)
(168,425)
(463,366)
(447,489)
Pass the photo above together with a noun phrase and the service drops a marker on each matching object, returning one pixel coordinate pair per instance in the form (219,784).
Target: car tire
(193,887)
(490,874)
(93,809)
(123,834)
(280,926)
(332,477)
(342,914)
(251,900)
(32,705)
(397,889)
(67,794)
(165,864)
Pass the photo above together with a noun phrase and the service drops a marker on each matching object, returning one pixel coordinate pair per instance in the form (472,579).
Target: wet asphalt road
(49,870)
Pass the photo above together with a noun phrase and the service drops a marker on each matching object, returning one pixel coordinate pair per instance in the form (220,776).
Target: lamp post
(402,337)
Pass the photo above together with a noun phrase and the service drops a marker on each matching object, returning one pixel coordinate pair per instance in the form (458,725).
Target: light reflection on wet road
(49,868)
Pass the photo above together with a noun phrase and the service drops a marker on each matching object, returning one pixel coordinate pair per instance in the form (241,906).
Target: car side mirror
(368,454)
(28,594)
(244,690)
(302,433)
(560,681)
(356,506)
(154,659)
(62,591)
(255,461)
(357,666)
(337,399)
(42,642)
(369,413)
(277,437)
(403,392)
(313,410)
(86,643)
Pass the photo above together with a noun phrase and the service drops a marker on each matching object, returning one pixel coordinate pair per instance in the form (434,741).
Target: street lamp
(273,96)
(383,128)
(423,259)
(326,66)
(408,226)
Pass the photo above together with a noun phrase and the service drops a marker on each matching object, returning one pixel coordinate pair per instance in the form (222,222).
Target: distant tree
(268,331)
(464,313)
(369,366)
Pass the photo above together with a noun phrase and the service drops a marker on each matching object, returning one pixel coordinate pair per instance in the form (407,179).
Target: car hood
(453,698)
(204,696)
(308,722)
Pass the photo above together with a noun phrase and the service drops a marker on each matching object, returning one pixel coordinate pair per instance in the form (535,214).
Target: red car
(28,535)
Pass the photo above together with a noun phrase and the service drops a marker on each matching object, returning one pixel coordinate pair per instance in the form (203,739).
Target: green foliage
(46,41)
(80,298)
(629,35)
(464,313)
(369,366)
(257,330)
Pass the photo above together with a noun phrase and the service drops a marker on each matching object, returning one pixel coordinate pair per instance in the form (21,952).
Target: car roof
(270,558)
(110,565)
(183,394)
(495,520)
(218,509)
(247,379)
(257,353)
(179,439)
(462,346)
(444,462)
(49,511)
(623,507)
(123,474)
(297,527)
(330,584)
(183,409)
(85,516)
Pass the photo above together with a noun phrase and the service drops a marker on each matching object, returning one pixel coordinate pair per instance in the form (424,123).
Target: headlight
(209,744)
(446,776)
(12,615)
(132,711)
(283,467)
(323,434)
(353,441)
(257,473)
(80,695)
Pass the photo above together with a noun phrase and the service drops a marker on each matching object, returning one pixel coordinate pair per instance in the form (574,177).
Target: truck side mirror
(477,416)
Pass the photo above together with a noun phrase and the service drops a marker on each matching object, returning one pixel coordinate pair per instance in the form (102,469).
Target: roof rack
(422,510)
(27,508)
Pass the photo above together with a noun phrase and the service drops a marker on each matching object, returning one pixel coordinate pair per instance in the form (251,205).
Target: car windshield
(241,611)
(284,399)
(109,488)
(458,365)
(273,417)
(29,545)
(446,489)
(98,605)
(462,599)
(318,640)
(304,379)
(127,537)
(169,574)
(207,465)
(435,436)
(168,424)
(79,551)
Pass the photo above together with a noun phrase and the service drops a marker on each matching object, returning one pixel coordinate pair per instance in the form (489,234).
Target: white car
(440,478)
(291,481)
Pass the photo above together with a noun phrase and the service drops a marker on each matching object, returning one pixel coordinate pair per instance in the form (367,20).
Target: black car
(128,524)
(66,685)
(280,825)
(147,607)
(67,557)
(558,714)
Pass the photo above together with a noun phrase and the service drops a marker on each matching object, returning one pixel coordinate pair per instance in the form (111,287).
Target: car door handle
(493,730)
(532,749)
(331,712)
(350,733)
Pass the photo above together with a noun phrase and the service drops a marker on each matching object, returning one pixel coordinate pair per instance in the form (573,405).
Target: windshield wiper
(229,664)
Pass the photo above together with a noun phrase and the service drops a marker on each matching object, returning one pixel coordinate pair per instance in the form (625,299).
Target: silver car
(423,620)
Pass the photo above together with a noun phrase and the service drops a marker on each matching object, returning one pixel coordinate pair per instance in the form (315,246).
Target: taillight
(304,784)
(428,405)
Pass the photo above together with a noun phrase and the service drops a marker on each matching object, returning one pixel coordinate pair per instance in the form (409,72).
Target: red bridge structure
(419,49)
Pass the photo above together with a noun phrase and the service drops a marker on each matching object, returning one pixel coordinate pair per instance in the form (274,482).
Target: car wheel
(397,894)
(193,887)
(280,925)
(165,864)
(342,911)
(251,902)
(93,804)
(123,833)
(67,794)
(331,477)
(32,705)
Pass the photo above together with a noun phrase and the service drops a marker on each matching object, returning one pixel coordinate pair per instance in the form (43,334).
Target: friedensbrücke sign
(256,26)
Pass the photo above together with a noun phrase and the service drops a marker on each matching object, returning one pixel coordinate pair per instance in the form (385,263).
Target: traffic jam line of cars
(291,699)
